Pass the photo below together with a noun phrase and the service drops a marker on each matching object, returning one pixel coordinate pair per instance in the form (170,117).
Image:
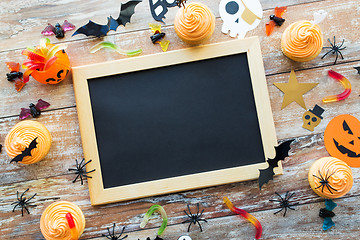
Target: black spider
(194,218)
(335,49)
(112,235)
(80,171)
(22,202)
(324,182)
(284,202)
(180,2)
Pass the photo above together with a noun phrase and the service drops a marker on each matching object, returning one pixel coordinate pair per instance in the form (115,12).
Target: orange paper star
(293,90)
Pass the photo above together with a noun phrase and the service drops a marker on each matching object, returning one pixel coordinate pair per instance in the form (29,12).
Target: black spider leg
(198,217)
(190,217)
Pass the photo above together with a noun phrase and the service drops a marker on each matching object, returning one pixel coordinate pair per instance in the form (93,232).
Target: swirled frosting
(302,41)
(194,23)
(54,225)
(336,173)
(20,137)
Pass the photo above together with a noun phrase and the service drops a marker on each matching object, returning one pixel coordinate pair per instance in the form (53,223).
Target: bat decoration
(34,110)
(282,151)
(93,29)
(358,69)
(327,214)
(58,30)
(26,152)
(15,75)
(275,20)
(159,8)
(158,36)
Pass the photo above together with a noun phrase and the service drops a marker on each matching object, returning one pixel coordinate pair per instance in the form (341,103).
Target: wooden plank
(22,22)
(61,95)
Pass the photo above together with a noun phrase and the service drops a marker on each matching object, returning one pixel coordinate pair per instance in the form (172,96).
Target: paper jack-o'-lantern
(47,63)
(342,139)
(240,16)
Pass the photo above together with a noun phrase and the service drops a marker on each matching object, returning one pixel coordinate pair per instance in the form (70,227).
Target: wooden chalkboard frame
(98,194)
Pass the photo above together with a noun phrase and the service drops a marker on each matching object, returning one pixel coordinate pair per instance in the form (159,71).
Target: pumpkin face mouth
(345,150)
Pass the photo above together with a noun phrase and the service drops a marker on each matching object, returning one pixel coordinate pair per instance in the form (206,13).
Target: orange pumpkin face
(56,72)
(342,139)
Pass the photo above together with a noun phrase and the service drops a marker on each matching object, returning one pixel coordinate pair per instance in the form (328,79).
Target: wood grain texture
(20,26)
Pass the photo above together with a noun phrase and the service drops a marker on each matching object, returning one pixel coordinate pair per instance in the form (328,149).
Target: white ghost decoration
(240,16)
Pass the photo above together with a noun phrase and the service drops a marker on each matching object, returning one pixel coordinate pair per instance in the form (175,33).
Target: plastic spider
(335,49)
(22,202)
(112,235)
(194,218)
(324,182)
(284,202)
(180,2)
(80,171)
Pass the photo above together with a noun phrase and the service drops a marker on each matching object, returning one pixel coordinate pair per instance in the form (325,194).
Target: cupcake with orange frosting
(62,221)
(20,137)
(330,177)
(302,41)
(194,23)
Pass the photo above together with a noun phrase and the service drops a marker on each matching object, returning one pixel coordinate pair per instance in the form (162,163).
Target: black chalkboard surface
(160,127)
(175,120)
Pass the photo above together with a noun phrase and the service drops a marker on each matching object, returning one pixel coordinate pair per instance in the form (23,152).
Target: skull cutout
(184,238)
(312,118)
(240,16)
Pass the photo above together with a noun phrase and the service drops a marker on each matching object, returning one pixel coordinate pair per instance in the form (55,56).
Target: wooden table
(21,24)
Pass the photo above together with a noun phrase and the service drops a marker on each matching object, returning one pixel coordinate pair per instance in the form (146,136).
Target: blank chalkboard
(166,123)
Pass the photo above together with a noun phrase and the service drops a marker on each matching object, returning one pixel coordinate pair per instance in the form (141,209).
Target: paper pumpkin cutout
(240,16)
(293,90)
(342,139)
(312,118)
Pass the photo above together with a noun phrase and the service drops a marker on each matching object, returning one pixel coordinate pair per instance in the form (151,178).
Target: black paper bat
(93,29)
(26,152)
(282,151)
(163,6)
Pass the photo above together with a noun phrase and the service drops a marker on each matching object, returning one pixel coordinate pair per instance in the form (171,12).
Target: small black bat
(160,8)
(93,29)
(282,151)
(26,152)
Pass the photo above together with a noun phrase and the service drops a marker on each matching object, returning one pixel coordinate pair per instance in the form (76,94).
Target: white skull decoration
(240,16)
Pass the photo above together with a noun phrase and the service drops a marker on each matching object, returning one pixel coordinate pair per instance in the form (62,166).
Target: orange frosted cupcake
(20,137)
(54,224)
(194,23)
(330,177)
(302,41)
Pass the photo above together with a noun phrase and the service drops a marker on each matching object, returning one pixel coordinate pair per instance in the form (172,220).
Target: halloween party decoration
(358,69)
(246,215)
(15,75)
(184,238)
(293,90)
(62,220)
(93,29)
(80,170)
(26,152)
(284,202)
(0,147)
(46,63)
(180,3)
(194,218)
(112,236)
(116,48)
(240,16)
(282,151)
(28,142)
(327,214)
(342,139)
(22,202)
(159,8)
(346,84)
(58,30)
(150,212)
(34,110)
(157,238)
(334,49)
(312,118)
(158,35)
(275,20)
(330,177)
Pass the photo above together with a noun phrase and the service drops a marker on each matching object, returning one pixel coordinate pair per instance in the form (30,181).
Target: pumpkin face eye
(347,128)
